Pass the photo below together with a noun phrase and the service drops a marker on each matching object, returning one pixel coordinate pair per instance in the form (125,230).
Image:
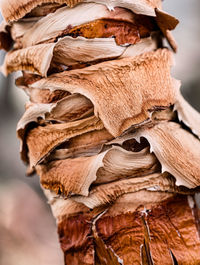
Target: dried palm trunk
(114,143)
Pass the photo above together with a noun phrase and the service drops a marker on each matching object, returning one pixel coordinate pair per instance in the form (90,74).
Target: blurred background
(27,228)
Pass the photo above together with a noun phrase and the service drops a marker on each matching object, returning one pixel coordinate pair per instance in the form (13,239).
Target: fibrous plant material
(115,144)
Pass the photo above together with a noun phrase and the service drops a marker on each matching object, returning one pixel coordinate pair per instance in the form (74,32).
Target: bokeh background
(27,228)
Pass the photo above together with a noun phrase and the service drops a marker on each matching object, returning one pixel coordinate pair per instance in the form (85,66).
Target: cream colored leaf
(14,10)
(33,112)
(20,27)
(177,150)
(53,25)
(119,163)
(62,207)
(70,51)
(143,46)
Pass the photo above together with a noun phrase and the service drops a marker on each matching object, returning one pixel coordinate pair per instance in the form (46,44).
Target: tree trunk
(115,144)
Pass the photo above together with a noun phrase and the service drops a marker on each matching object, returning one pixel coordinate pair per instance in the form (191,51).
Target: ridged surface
(101,129)
(147,235)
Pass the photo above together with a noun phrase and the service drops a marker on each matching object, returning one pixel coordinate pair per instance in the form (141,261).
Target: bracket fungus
(106,127)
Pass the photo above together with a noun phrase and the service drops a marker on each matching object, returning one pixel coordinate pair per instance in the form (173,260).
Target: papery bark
(106,128)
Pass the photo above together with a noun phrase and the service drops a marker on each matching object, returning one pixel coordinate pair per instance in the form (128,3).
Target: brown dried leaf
(171,40)
(36,59)
(163,221)
(44,9)
(42,140)
(44,96)
(108,193)
(87,144)
(166,23)
(57,175)
(68,109)
(64,19)
(116,86)
(70,176)
(169,225)
(123,31)
(70,51)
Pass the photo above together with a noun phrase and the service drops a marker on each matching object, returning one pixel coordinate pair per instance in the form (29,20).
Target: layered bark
(107,129)
(155,230)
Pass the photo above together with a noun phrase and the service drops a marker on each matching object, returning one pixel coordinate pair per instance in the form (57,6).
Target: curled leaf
(57,175)
(20,27)
(87,144)
(14,10)
(42,140)
(70,51)
(43,96)
(70,176)
(177,150)
(64,19)
(166,23)
(116,86)
(108,193)
(35,59)
(71,108)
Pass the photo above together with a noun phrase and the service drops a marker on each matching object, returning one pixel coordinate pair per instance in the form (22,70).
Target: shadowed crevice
(175,262)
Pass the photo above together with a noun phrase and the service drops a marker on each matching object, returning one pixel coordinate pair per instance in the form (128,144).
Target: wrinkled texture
(60,175)
(14,10)
(136,81)
(37,59)
(124,32)
(34,59)
(64,19)
(42,140)
(171,143)
(108,193)
(114,143)
(161,224)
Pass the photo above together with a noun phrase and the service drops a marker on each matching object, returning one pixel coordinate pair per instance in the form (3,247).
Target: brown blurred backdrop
(27,229)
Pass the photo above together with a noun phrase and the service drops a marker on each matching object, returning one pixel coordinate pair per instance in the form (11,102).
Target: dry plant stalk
(106,128)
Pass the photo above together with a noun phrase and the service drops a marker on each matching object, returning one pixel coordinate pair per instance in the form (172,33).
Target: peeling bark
(106,128)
